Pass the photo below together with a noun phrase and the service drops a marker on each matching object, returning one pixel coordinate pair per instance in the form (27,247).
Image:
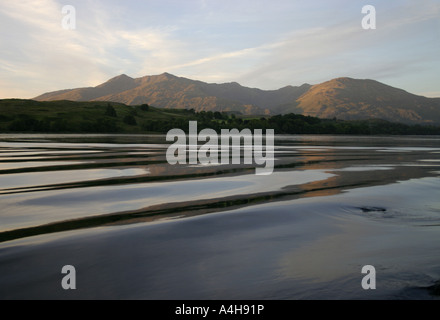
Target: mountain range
(341,98)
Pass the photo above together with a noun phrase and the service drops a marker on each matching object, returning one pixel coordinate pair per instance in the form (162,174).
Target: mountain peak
(115,85)
(122,76)
(121,79)
(343,79)
(167,75)
(342,97)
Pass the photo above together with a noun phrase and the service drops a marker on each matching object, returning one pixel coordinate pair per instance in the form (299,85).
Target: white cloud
(44,57)
(43,53)
(37,55)
(345,49)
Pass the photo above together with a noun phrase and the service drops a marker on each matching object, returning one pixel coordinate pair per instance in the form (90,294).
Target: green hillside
(19,115)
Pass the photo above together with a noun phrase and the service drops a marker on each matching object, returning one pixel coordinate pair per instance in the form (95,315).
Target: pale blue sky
(264,44)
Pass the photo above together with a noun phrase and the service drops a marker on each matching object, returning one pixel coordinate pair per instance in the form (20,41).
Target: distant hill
(341,98)
(163,91)
(353,99)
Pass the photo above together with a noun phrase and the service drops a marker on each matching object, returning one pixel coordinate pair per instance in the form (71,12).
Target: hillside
(163,91)
(351,99)
(20,115)
(63,116)
(341,98)
(171,92)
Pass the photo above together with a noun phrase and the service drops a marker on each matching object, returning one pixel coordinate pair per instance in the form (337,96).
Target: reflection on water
(53,185)
(74,177)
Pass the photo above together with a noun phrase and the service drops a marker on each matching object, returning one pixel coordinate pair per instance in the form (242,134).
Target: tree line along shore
(19,115)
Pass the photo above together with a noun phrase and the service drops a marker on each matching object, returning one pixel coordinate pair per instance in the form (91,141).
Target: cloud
(259,46)
(345,49)
(42,56)
(41,52)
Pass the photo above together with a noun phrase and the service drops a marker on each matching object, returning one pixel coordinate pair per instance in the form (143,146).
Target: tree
(110,111)
(130,120)
(218,115)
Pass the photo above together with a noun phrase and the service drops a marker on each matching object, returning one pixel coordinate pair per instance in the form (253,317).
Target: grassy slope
(18,115)
(78,116)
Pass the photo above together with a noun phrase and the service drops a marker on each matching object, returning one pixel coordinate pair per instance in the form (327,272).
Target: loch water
(136,227)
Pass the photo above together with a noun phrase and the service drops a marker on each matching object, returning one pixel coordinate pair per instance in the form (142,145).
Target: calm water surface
(136,227)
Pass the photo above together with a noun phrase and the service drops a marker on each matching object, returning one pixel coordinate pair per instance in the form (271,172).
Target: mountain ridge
(343,98)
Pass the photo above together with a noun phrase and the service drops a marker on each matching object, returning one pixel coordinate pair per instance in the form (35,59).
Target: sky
(257,43)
